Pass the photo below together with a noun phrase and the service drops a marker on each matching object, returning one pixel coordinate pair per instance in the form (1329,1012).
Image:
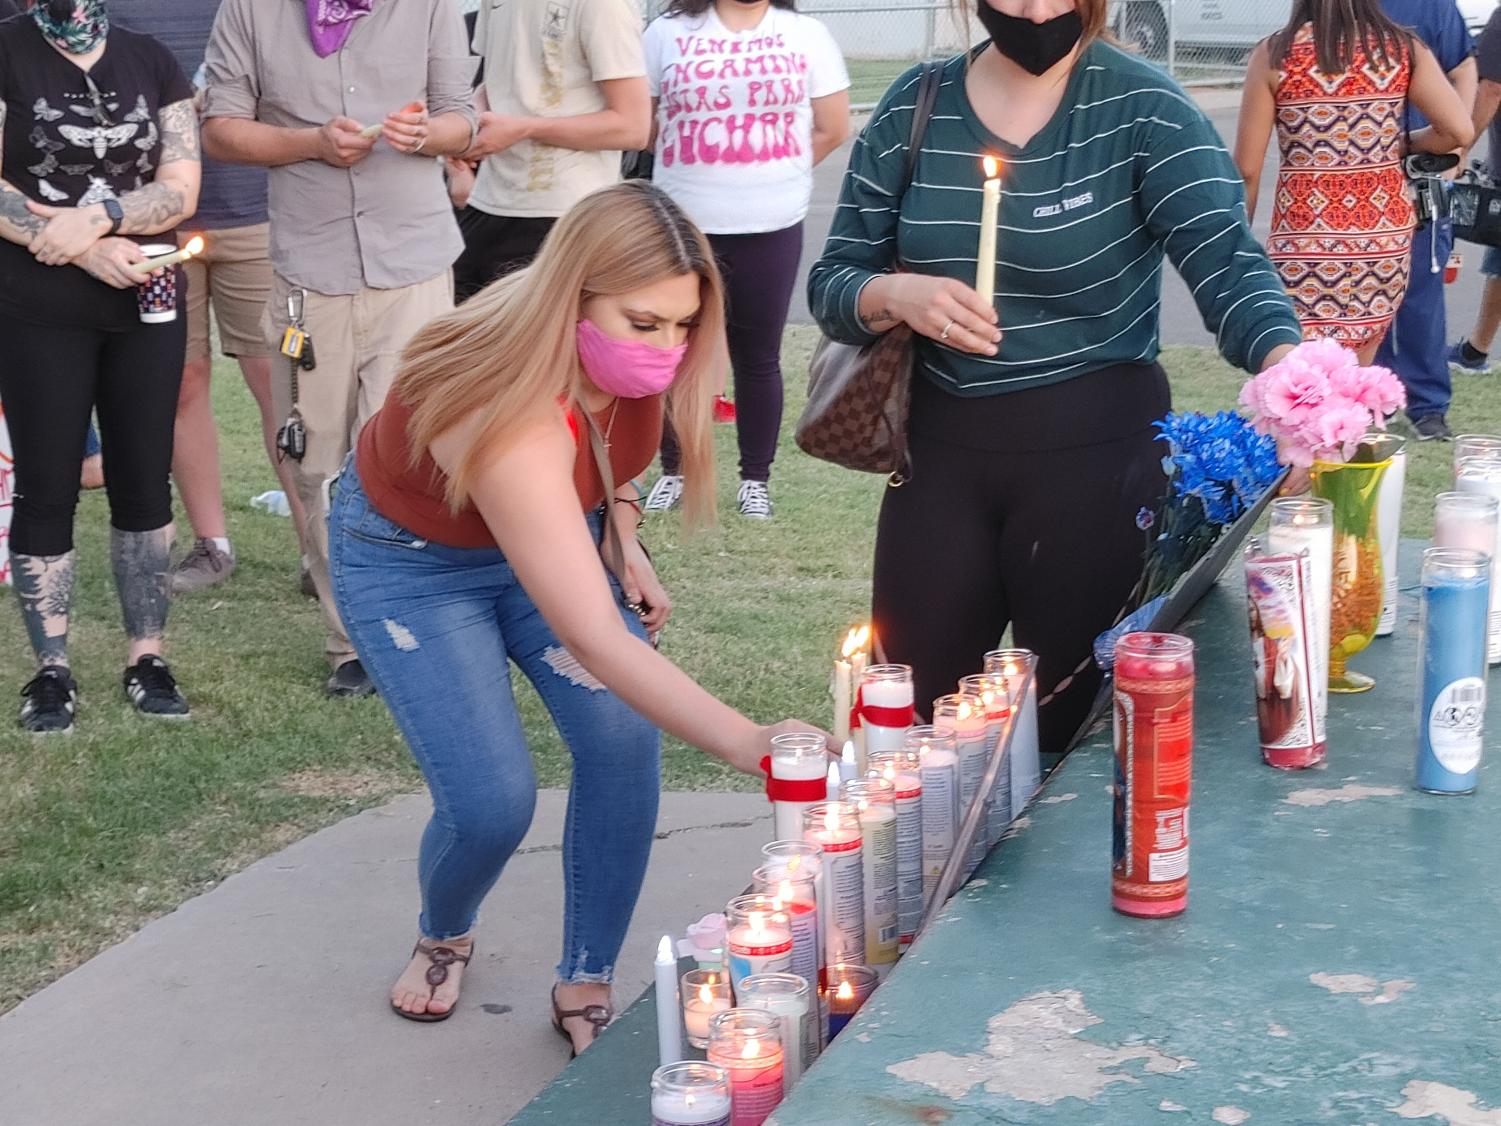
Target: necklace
(610,426)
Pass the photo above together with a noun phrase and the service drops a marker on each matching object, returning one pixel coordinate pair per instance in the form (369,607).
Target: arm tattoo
(179,126)
(16,223)
(44,587)
(150,209)
(881,320)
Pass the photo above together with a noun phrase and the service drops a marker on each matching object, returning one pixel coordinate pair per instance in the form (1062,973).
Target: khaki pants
(358,340)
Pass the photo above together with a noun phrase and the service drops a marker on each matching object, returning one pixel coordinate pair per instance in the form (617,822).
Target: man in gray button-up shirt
(362,233)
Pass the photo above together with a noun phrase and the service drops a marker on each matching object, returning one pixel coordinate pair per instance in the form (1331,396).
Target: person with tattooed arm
(100,148)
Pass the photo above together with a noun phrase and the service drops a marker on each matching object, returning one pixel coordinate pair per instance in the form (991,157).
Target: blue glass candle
(1451,712)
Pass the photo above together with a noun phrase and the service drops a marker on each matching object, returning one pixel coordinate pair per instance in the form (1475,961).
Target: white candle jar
(690,1094)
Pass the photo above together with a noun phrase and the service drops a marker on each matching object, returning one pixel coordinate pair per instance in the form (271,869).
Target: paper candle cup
(1451,706)
(156,296)
(939,760)
(706,994)
(747,1043)
(903,769)
(835,828)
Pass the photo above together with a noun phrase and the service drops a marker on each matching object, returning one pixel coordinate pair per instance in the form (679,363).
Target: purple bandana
(331,21)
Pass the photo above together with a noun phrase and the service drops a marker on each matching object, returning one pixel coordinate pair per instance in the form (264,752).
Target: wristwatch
(115,212)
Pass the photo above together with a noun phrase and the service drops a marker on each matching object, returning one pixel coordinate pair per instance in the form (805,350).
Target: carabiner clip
(296,299)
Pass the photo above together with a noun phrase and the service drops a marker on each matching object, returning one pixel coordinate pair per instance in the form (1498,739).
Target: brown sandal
(599,1016)
(441,957)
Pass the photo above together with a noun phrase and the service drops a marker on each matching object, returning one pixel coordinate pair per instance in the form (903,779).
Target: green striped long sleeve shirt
(1128,169)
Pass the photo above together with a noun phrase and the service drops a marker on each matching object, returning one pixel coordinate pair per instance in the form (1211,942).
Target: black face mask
(1035,47)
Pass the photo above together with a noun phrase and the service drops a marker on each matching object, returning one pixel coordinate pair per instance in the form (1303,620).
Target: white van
(1476,13)
(1233,24)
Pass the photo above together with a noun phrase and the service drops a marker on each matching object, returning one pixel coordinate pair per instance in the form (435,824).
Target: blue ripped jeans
(437,628)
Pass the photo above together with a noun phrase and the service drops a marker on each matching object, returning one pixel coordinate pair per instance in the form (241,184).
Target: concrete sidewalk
(264,1001)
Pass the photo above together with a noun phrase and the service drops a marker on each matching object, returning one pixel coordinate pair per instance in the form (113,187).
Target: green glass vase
(1355,607)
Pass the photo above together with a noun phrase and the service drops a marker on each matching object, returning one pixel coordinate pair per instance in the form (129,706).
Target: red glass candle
(1154,686)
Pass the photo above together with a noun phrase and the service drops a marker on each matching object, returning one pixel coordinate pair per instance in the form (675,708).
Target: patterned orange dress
(1342,221)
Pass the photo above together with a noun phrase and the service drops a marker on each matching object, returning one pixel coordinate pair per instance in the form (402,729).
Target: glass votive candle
(903,769)
(938,760)
(875,801)
(795,892)
(835,827)
(758,938)
(705,994)
(1475,445)
(747,1043)
(850,986)
(690,1094)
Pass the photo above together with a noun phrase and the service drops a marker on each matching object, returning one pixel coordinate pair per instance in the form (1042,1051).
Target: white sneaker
(755,500)
(665,494)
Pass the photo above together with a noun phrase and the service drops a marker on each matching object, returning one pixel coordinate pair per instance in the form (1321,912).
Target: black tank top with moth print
(73,138)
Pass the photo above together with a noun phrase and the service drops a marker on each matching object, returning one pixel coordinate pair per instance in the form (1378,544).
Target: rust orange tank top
(414,498)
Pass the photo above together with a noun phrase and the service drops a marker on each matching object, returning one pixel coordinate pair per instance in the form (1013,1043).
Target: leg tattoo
(141,562)
(44,587)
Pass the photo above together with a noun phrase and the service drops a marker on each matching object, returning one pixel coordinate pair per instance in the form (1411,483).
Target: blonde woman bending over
(467,533)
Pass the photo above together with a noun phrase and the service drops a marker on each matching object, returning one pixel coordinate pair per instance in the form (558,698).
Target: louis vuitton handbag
(859,397)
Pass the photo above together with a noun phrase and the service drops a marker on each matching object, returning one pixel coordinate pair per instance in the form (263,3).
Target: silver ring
(944,335)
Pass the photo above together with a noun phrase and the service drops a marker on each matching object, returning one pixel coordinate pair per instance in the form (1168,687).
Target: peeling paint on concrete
(1019,826)
(1230,1115)
(1278,1031)
(1457,1107)
(1171,1107)
(1350,791)
(1378,992)
(1058,799)
(1035,1054)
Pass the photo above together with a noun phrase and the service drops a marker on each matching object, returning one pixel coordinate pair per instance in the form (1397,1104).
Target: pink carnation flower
(1292,393)
(1318,402)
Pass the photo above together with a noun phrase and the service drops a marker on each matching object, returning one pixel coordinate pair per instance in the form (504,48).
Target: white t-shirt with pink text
(735,116)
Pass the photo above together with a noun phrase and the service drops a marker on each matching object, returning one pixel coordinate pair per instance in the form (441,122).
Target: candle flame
(845,992)
(889,773)
(992,167)
(784,893)
(705,995)
(194,246)
(1011,670)
(855,641)
(964,709)
(830,819)
(757,922)
(751,1050)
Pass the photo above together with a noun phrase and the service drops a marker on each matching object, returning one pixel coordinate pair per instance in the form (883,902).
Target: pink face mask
(631,369)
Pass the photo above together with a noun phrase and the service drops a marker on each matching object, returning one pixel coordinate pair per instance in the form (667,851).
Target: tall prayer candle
(794,1001)
(903,769)
(795,892)
(996,705)
(1010,668)
(875,799)
(797,858)
(1389,531)
(990,212)
(835,828)
(669,1016)
(963,717)
(706,994)
(1482,475)
(798,778)
(747,1043)
(938,757)
(1466,520)
(1282,627)
(846,678)
(1451,713)
(759,937)
(850,986)
(886,711)
(1154,685)
(690,1094)
(1307,524)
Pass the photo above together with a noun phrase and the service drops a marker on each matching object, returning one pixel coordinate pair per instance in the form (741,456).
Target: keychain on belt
(297,346)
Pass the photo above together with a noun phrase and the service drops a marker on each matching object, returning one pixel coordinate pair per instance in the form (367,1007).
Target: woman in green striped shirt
(1031,434)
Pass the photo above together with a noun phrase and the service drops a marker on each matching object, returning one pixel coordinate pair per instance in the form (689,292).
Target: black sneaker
(48,701)
(350,679)
(1432,428)
(153,691)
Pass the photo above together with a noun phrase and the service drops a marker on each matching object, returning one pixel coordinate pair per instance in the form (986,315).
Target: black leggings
(759,273)
(51,379)
(1021,510)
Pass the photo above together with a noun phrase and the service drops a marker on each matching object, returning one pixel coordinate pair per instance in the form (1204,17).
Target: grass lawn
(125,819)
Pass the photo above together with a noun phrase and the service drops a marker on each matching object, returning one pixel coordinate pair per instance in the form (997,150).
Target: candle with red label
(748,1044)
(1154,685)
(795,893)
(759,937)
(885,710)
(835,827)
(996,701)
(797,777)
(875,798)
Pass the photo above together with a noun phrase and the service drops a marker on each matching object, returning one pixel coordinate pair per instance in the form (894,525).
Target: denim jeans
(437,628)
(1417,345)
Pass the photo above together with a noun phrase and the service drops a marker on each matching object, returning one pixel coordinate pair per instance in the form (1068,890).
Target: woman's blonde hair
(510,352)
